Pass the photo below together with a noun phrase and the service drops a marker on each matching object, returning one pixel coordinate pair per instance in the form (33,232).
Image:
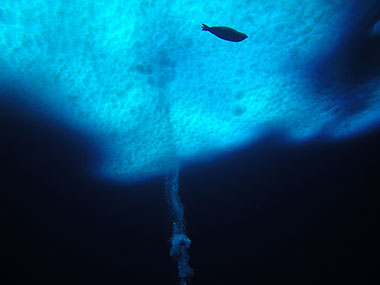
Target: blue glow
(376,28)
(154,90)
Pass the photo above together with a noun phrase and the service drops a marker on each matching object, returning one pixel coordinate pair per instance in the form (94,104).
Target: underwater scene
(189,142)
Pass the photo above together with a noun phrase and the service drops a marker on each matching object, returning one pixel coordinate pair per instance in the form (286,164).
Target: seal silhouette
(225,33)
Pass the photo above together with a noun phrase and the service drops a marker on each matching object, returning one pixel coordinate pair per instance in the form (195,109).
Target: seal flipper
(205,27)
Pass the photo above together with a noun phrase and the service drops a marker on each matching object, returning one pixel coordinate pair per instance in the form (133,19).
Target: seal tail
(205,27)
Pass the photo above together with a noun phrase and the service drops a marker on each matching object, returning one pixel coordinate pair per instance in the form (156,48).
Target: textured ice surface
(152,88)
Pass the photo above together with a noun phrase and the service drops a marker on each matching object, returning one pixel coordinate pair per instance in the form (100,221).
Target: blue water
(152,90)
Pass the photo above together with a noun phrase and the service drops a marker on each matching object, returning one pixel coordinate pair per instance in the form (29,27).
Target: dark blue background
(272,213)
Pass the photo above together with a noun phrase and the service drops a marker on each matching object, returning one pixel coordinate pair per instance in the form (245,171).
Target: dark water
(269,214)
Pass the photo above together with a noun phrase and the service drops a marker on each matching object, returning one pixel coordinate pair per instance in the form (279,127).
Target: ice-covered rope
(179,240)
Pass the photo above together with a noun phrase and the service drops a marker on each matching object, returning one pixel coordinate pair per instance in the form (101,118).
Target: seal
(225,33)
